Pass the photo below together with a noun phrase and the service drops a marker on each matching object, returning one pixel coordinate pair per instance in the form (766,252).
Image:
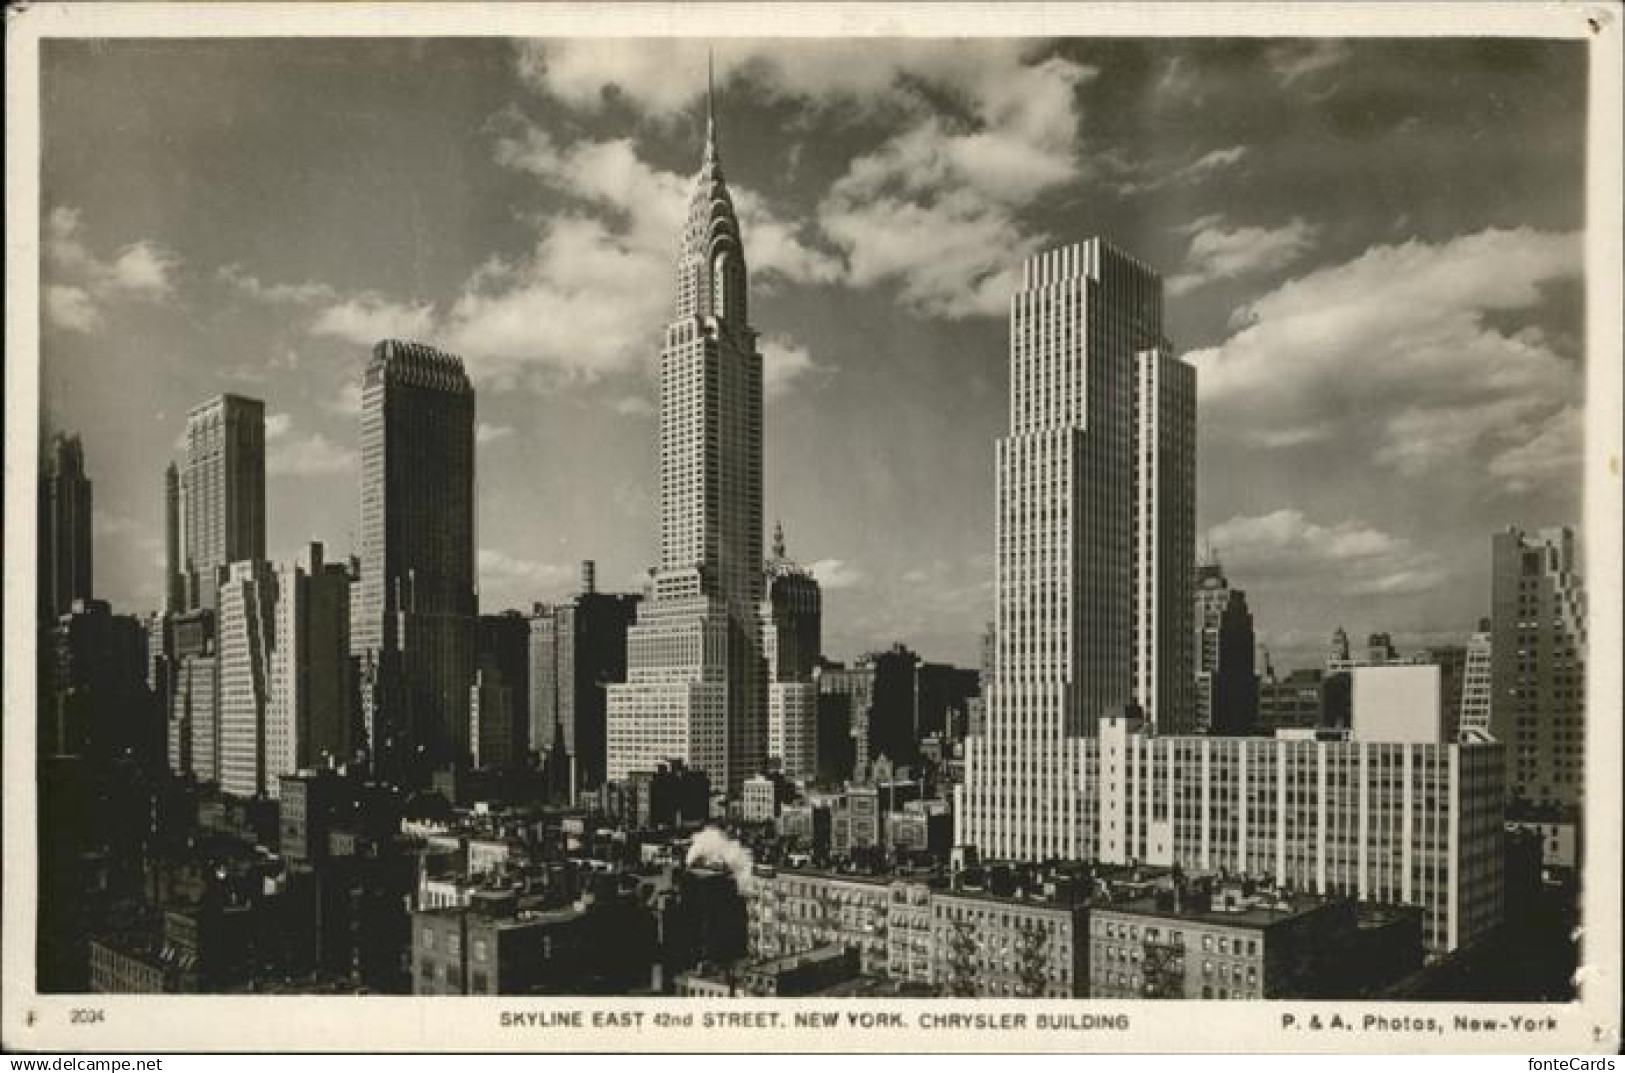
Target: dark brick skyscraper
(413,623)
(64,528)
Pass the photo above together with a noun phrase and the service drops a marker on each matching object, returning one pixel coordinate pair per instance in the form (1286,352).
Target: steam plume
(714,846)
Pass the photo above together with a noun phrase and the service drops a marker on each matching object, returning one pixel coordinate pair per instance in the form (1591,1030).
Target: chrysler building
(695,688)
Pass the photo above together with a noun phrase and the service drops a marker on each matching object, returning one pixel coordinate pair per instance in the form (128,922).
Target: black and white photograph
(981,526)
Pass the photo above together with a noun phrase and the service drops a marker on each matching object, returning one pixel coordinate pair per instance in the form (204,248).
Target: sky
(1372,252)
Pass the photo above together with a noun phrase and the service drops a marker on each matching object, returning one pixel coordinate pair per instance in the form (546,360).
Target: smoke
(714,846)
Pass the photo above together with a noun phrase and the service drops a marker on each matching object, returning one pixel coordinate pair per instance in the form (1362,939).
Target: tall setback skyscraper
(1538,660)
(222,488)
(792,620)
(1226,682)
(413,623)
(695,687)
(1095,545)
(64,528)
(248,599)
(309,717)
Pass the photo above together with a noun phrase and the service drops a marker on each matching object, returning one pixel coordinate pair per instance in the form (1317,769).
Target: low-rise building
(1233,943)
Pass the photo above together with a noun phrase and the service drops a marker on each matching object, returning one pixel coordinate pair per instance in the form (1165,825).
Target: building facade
(222,493)
(310,717)
(696,682)
(792,641)
(247,600)
(1095,545)
(948,942)
(577,650)
(499,732)
(412,628)
(1226,697)
(1410,822)
(65,552)
(1477,682)
(1538,665)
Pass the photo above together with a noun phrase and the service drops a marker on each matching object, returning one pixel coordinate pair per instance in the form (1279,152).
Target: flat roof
(1203,913)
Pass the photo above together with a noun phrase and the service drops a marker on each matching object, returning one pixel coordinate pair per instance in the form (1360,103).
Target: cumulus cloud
(1552,455)
(1396,354)
(277,426)
(510,580)
(251,286)
(347,401)
(487,433)
(312,455)
(785,364)
(71,308)
(367,318)
(590,296)
(1219,253)
(836,574)
(1284,550)
(935,209)
(78,283)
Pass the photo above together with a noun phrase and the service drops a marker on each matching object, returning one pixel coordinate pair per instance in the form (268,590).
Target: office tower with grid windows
(1095,546)
(247,599)
(412,626)
(310,712)
(1538,663)
(695,687)
(1226,700)
(222,493)
(792,621)
(1476,682)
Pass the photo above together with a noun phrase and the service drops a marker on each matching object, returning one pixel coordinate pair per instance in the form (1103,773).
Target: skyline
(998,149)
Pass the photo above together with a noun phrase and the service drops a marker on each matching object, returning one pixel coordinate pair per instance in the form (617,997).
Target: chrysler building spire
(711,258)
(695,688)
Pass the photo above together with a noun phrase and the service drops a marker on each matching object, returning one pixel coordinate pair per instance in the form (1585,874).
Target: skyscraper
(222,492)
(1226,682)
(1538,658)
(792,621)
(65,553)
(247,600)
(310,713)
(577,649)
(695,687)
(502,693)
(412,627)
(1095,545)
(1476,682)
(174,577)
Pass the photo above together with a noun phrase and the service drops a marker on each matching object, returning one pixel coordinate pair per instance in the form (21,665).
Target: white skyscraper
(1477,683)
(308,718)
(695,687)
(1095,545)
(247,598)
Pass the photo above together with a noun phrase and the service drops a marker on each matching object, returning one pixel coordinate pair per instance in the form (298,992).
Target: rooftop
(1257,913)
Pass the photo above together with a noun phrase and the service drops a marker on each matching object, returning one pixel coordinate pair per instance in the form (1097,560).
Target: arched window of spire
(722,296)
